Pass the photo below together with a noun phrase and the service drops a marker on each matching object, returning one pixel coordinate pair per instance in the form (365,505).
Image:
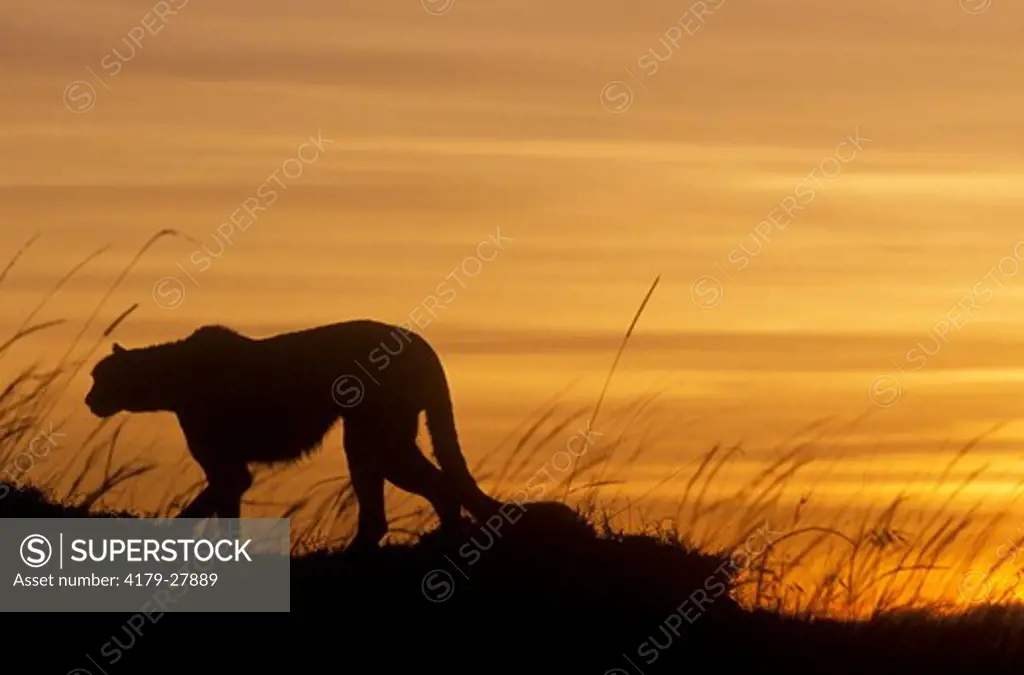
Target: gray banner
(147,564)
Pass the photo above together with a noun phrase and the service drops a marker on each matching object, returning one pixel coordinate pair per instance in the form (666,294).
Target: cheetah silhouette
(241,400)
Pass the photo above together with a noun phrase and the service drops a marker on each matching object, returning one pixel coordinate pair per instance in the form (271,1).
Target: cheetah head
(114,384)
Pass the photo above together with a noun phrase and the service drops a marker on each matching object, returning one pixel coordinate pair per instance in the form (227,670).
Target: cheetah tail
(444,438)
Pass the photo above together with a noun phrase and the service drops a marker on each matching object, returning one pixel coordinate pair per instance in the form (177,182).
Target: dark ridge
(549,594)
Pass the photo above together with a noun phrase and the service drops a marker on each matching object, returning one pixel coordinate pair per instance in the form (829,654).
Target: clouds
(489,115)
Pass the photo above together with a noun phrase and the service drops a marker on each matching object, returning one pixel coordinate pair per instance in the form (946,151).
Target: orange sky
(553,124)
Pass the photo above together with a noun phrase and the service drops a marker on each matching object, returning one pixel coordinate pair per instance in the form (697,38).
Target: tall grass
(854,564)
(31,394)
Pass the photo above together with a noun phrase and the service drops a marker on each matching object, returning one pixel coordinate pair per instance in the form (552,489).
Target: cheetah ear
(118,349)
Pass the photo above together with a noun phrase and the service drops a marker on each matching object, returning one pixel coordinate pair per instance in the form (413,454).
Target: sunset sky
(608,143)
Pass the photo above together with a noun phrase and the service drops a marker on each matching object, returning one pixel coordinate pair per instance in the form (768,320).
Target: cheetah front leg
(203,506)
(222,496)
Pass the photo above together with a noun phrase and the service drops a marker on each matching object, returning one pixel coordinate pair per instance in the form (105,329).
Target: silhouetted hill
(547,596)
